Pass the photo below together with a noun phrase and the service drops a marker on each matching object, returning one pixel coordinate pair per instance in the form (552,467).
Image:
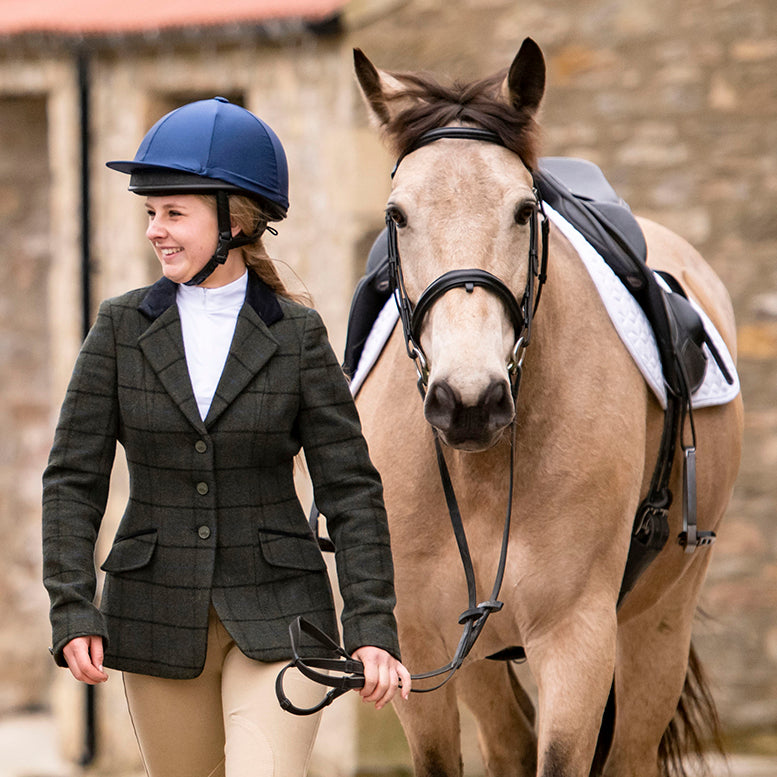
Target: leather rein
(350,671)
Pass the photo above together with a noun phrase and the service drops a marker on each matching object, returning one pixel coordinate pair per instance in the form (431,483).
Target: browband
(454,133)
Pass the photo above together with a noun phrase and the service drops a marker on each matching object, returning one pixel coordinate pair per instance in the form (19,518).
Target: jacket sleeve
(75,487)
(349,492)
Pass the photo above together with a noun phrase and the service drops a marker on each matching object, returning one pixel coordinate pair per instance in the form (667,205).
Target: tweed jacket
(213,516)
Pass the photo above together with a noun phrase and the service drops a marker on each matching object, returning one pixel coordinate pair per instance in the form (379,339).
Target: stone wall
(24,390)
(676,101)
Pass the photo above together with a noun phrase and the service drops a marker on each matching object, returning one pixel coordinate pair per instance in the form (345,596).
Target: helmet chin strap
(226,242)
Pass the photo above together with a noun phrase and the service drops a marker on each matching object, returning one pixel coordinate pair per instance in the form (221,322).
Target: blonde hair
(248,214)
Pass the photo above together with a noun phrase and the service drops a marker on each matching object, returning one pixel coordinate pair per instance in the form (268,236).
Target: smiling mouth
(166,252)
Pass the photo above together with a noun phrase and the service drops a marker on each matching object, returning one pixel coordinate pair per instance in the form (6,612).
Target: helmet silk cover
(221,144)
(213,146)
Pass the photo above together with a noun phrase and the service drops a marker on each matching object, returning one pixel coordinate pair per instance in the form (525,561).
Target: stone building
(676,101)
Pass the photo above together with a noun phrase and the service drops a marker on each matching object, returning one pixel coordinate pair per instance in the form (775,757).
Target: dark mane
(478,103)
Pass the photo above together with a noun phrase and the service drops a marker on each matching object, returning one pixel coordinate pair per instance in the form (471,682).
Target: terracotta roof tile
(93,17)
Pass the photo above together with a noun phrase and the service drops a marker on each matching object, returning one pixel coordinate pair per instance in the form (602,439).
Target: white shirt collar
(228,297)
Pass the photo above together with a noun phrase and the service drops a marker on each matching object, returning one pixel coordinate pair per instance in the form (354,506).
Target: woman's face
(183,230)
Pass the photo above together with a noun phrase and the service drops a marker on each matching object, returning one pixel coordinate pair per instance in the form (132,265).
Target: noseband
(521,313)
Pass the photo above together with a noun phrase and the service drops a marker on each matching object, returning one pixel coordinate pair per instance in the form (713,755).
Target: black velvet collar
(259,296)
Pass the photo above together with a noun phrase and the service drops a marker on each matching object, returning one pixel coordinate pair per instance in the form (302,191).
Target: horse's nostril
(462,423)
(441,404)
(498,405)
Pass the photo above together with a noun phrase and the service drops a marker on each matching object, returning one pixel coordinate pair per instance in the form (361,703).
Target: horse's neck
(576,356)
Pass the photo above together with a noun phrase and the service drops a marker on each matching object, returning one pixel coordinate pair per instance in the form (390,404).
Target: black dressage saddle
(579,191)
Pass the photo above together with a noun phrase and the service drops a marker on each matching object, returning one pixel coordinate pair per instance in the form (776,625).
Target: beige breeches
(225,723)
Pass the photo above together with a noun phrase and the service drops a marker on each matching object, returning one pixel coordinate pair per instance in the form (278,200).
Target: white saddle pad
(627,317)
(635,331)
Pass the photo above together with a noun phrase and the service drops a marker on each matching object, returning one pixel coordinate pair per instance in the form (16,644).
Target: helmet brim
(152,180)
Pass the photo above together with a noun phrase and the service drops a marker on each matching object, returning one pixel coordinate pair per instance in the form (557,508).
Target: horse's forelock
(478,103)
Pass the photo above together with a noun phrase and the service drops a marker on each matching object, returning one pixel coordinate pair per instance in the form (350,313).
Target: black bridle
(521,314)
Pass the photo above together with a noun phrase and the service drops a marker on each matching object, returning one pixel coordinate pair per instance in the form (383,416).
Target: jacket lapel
(252,345)
(162,345)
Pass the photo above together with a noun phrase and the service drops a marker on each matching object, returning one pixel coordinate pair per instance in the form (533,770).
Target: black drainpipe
(84,116)
(90,718)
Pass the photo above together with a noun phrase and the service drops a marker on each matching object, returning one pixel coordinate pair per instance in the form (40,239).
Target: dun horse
(586,432)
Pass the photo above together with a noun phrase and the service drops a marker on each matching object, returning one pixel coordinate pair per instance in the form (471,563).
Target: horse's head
(461,204)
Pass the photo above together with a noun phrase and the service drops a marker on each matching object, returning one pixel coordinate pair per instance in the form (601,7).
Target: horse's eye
(524,212)
(397,215)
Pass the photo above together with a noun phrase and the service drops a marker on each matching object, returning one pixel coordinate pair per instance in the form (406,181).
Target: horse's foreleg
(573,662)
(432,729)
(505,718)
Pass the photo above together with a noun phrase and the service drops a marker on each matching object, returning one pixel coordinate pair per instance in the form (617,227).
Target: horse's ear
(377,87)
(525,83)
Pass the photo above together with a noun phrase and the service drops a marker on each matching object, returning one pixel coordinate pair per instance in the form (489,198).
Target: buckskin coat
(213,516)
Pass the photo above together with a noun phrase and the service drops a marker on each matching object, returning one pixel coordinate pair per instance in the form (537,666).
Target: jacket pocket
(130,553)
(294,551)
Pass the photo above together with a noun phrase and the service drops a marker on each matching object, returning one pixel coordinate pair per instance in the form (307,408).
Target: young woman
(212,379)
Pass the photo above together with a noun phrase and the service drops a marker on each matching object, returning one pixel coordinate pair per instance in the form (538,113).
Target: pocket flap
(130,553)
(291,550)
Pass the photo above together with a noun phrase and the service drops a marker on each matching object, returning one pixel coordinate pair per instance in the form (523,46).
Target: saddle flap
(688,335)
(623,228)
(370,295)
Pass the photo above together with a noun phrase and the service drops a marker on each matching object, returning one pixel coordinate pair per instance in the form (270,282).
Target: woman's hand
(84,656)
(383,676)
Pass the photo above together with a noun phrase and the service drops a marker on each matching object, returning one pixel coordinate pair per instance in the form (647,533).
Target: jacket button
(204,532)
(202,488)
(200,446)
